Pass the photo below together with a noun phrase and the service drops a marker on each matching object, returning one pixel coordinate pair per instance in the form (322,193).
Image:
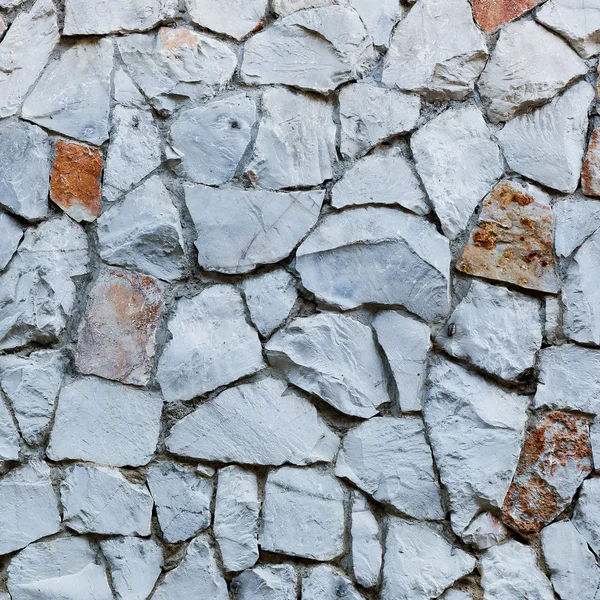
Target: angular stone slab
(586,516)
(267,582)
(379,17)
(485,531)
(11,234)
(366,545)
(574,222)
(490,14)
(326,583)
(287,7)
(590,171)
(10,440)
(235,18)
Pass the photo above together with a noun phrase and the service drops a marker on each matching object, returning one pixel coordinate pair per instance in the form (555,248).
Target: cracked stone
(485,531)
(235,18)
(366,547)
(379,17)
(11,233)
(490,14)
(10,440)
(326,583)
(574,222)
(595,440)
(590,172)
(287,7)
(552,322)
(586,516)
(126,92)
(267,582)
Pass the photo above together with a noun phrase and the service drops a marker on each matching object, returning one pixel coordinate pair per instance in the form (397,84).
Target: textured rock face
(485,531)
(9,436)
(490,14)
(236,19)
(325,583)
(574,222)
(366,545)
(12,234)
(586,516)
(273,582)
(590,172)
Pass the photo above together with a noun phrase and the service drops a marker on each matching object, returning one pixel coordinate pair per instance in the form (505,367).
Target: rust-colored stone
(590,173)
(177,38)
(117,334)
(490,14)
(75,180)
(556,458)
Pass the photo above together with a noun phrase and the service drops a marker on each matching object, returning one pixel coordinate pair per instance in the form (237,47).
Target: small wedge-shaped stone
(495,329)
(547,145)
(316,49)
(303,514)
(490,14)
(574,222)
(73,95)
(144,233)
(419,564)
(11,234)
(209,433)
(126,92)
(334,357)
(595,440)
(379,17)
(379,256)
(436,51)
(326,583)
(390,459)
(366,545)
(211,345)
(238,229)
(485,531)
(236,518)
(98,17)
(586,516)
(458,162)
(519,75)
(295,145)
(236,18)
(24,53)
(105,423)
(590,172)
(476,431)
(512,240)
(9,436)
(267,582)
(102,500)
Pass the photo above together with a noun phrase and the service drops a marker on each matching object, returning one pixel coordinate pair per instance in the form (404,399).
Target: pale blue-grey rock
(379,17)
(595,440)
(11,234)
(287,7)
(267,582)
(574,222)
(326,583)
(236,18)
(486,530)
(552,322)
(456,594)
(126,92)
(586,516)
(9,436)
(366,545)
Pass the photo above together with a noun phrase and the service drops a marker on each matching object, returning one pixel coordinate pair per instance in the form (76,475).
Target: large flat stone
(574,222)
(235,18)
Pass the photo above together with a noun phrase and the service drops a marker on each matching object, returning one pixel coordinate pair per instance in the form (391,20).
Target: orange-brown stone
(590,173)
(490,14)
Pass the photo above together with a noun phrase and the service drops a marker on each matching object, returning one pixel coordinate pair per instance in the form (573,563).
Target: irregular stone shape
(210,140)
(366,547)
(134,150)
(24,169)
(295,145)
(475,430)
(303,514)
(552,322)
(75,180)
(573,568)
(267,582)
(37,291)
(237,18)
(126,92)
(547,145)
(73,95)
(31,384)
(590,172)
(490,14)
(370,114)
(135,565)
(390,459)
(9,436)
(182,500)
(37,31)
(205,471)
(105,423)
(270,298)
(511,571)
(512,240)
(457,136)
(519,75)
(485,531)
(382,177)
(586,516)
(574,222)
(236,518)
(380,256)
(556,458)
(211,345)
(334,357)
(317,49)
(99,17)
(197,575)
(423,58)
(211,433)
(176,64)
(287,7)
(419,564)
(237,229)
(379,17)
(144,233)
(28,506)
(595,440)
(101,500)
(11,234)
(325,583)
(454,594)
(116,337)
(61,569)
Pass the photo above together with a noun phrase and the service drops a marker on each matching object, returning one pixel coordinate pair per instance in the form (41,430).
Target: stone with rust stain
(490,14)
(556,458)
(116,336)
(590,173)
(512,241)
(75,180)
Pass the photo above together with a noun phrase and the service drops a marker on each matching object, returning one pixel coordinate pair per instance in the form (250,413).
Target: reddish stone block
(590,173)
(490,14)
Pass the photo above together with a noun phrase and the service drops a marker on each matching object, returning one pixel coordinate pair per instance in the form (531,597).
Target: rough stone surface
(590,172)
(379,17)
(574,222)
(9,436)
(366,545)
(490,14)
(586,516)
(485,531)
(287,7)
(235,18)
(11,234)
(270,582)
(325,583)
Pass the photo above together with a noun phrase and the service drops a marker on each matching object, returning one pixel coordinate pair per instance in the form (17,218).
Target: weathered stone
(101,500)
(426,59)
(590,172)
(24,169)
(366,546)
(512,240)
(11,234)
(370,114)
(73,95)
(287,7)
(475,430)
(182,500)
(586,516)
(9,436)
(325,583)
(268,582)
(126,92)
(380,256)
(459,136)
(75,180)
(552,322)
(211,433)
(317,49)
(390,459)
(210,140)
(105,423)
(485,531)
(455,594)
(211,345)
(419,564)
(144,233)
(303,514)
(205,471)
(236,18)
(547,145)
(295,145)
(595,441)
(490,14)
(574,222)
(236,518)
(519,75)
(116,338)
(379,17)
(334,357)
